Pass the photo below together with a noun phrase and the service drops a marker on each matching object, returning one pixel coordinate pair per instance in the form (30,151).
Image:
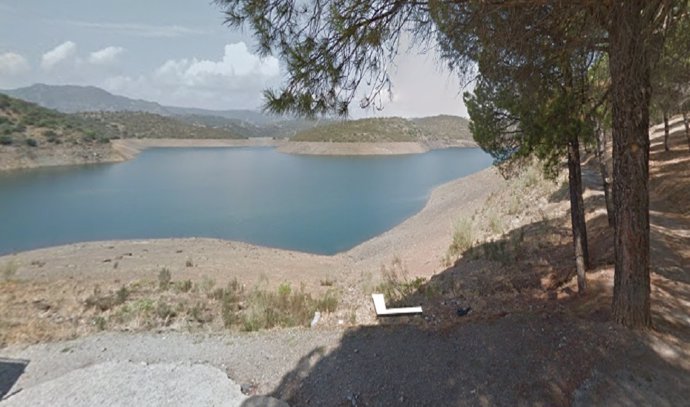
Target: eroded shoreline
(17,158)
(420,242)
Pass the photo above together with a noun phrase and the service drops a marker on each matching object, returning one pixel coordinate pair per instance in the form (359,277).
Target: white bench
(381,310)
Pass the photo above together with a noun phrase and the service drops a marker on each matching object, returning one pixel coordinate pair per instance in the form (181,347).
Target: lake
(314,204)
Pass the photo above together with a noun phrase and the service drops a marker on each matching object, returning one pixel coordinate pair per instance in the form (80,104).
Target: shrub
(6,140)
(200,314)
(164,278)
(51,136)
(122,295)
(463,237)
(31,142)
(328,303)
(89,135)
(206,285)
(9,270)
(164,310)
(184,286)
(395,285)
(495,223)
(100,323)
(230,307)
(327,283)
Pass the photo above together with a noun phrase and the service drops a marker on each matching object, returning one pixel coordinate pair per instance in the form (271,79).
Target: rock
(264,401)
(247,388)
(317,317)
(463,311)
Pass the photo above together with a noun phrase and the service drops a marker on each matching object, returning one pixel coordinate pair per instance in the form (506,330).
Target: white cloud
(236,80)
(105,56)
(237,69)
(62,52)
(13,64)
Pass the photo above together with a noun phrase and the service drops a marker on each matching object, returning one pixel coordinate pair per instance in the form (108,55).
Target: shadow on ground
(530,339)
(10,371)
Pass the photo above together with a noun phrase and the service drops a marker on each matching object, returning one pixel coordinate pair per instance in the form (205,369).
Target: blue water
(257,195)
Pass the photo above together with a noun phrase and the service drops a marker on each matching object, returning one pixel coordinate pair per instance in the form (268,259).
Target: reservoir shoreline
(16,158)
(419,242)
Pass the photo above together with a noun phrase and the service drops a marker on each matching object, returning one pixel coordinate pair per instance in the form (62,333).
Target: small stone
(247,388)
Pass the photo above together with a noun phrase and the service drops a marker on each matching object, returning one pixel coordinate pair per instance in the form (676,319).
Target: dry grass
(8,270)
(395,283)
(33,311)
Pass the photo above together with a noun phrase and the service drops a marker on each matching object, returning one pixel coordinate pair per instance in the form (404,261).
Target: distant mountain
(73,99)
(250,116)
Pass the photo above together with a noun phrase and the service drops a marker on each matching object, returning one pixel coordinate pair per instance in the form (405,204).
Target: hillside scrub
(442,128)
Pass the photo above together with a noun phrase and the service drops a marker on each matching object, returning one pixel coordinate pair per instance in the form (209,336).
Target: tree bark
(577,214)
(629,63)
(666,131)
(602,152)
(687,127)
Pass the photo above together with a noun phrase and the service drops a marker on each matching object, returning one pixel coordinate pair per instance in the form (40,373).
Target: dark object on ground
(463,311)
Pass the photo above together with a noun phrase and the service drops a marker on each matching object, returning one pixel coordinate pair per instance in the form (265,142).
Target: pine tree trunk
(629,63)
(605,173)
(686,122)
(666,131)
(577,214)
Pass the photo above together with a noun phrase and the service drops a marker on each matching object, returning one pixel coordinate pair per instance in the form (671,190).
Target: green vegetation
(150,125)
(148,305)
(164,278)
(396,284)
(463,238)
(264,309)
(8,270)
(444,128)
(26,124)
(390,129)
(363,130)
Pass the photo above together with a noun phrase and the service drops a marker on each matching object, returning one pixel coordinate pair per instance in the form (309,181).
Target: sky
(178,53)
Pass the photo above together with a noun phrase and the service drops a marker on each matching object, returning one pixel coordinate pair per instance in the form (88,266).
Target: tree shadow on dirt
(10,371)
(529,338)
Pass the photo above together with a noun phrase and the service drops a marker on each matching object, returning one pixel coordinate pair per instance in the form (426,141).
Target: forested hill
(75,99)
(149,125)
(391,129)
(26,124)
(445,128)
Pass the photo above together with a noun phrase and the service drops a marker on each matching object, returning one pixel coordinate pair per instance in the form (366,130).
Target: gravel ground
(132,384)
(172,368)
(545,358)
